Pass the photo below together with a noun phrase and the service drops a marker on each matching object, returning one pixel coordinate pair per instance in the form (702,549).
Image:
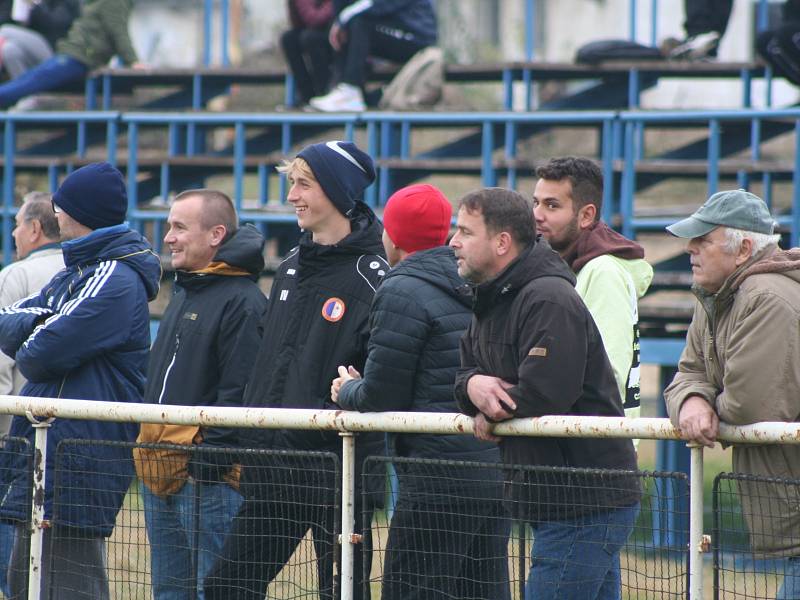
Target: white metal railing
(41,410)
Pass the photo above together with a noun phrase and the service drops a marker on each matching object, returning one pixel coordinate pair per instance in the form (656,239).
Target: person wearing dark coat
(85,336)
(780,46)
(533,349)
(202,356)
(306,47)
(317,318)
(94,38)
(394,30)
(449,532)
(28,39)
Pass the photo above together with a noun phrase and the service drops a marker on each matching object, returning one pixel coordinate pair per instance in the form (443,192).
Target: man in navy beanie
(317,319)
(85,336)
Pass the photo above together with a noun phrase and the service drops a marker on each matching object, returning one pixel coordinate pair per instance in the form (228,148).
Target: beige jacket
(742,355)
(19,280)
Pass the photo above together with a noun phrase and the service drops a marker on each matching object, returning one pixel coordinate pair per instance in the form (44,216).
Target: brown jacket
(742,355)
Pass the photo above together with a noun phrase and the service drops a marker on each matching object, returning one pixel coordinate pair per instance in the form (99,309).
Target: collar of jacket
(718,302)
(116,243)
(535,261)
(598,240)
(364,238)
(209,273)
(86,248)
(45,247)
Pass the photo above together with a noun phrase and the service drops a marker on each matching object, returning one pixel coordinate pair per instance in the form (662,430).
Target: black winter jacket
(531,329)
(420,312)
(415,17)
(210,332)
(317,319)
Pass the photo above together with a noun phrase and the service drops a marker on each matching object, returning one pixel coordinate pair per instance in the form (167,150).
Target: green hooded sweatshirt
(100,33)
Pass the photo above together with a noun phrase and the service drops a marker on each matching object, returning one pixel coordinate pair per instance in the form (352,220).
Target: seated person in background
(780,47)
(391,29)
(306,47)
(706,22)
(100,33)
(30,31)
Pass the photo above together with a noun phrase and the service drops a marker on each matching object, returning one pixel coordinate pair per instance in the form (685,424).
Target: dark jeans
(781,49)
(73,565)
(447,551)
(310,59)
(293,496)
(367,37)
(703,16)
(51,74)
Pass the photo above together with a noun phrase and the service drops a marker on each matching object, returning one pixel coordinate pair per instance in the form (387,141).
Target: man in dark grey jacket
(533,349)
(449,532)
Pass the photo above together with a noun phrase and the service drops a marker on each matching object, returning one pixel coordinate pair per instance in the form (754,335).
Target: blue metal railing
(174,153)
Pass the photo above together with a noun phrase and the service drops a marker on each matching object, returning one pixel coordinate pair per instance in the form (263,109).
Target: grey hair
(38,206)
(735,237)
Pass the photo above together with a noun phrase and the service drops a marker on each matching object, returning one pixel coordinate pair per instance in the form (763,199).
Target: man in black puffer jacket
(449,532)
(316,319)
(533,349)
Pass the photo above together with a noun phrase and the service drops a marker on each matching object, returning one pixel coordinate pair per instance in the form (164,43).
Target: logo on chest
(333,309)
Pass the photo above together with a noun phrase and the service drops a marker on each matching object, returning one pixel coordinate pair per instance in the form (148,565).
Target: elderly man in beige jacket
(741,363)
(39,257)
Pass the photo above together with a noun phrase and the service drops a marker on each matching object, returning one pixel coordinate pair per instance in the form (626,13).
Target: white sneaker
(702,46)
(26,104)
(343,98)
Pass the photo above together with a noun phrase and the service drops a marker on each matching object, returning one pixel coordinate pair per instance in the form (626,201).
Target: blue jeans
(790,588)
(579,560)
(49,75)
(183,540)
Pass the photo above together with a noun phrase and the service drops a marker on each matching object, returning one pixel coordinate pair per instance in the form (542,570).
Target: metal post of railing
(348,517)
(9,183)
(37,506)
(632,23)
(208,16)
(530,29)
(712,179)
(224,10)
(654,22)
(696,522)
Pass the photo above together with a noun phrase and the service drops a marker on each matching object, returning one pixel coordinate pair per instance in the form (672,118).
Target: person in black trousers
(306,47)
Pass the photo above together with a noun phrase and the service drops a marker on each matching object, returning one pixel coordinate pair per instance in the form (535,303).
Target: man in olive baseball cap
(732,208)
(741,363)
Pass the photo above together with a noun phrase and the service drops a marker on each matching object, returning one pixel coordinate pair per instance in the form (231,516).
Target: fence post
(696,522)
(346,539)
(37,505)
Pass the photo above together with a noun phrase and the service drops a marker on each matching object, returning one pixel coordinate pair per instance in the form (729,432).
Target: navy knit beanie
(342,170)
(94,196)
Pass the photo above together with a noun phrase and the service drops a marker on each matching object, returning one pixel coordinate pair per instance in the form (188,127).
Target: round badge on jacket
(333,309)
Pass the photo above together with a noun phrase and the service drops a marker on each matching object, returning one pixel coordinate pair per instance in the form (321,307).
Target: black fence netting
(455,530)
(144,521)
(756,537)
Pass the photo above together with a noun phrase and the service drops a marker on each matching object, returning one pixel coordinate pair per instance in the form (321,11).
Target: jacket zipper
(169,368)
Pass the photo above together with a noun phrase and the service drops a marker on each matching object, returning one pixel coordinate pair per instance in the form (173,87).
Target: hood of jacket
(241,255)
(437,267)
(770,260)
(598,240)
(118,243)
(535,261)
(364,238)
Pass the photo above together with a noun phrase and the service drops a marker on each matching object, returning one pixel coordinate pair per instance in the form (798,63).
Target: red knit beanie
(417,217)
